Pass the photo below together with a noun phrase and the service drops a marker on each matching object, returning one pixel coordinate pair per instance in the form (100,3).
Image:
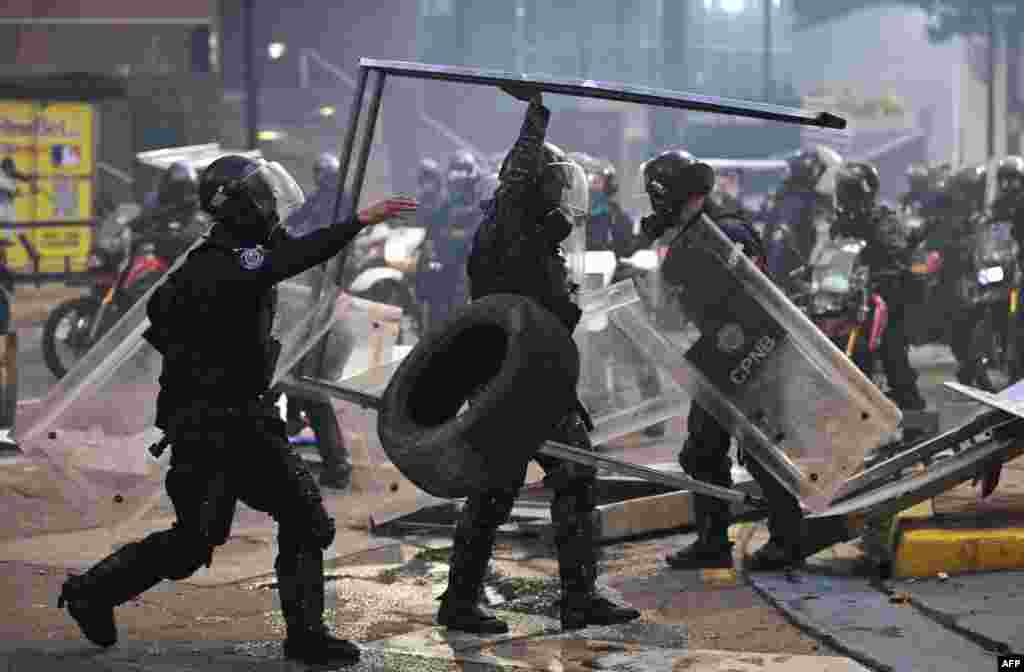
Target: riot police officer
(1009,201)
(678,186)
(955,232)
(429,187)
(441,280)
(516,251)
(1009,205)
(803,205)
(887,256)
(227,440)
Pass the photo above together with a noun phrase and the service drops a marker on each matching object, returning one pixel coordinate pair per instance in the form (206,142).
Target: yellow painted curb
(929,551)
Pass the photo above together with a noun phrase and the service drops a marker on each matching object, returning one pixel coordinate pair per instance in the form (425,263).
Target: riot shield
(93,428)
(743,351)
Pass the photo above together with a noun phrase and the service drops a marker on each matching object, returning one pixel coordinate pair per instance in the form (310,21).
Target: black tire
(84,306)
(527,365)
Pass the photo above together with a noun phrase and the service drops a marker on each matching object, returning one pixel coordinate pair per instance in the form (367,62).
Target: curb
(930,546)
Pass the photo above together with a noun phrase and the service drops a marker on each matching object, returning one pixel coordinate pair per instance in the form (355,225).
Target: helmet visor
(567,188)
(274,191)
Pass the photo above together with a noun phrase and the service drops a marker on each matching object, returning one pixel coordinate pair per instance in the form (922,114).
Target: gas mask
(668,212)
(564,200)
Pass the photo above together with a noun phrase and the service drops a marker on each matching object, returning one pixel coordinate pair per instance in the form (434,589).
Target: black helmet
(673,177)
(8,166)
(807,167)
(968,187)
(611,177)
(857,187)
(429,181)
(179,184)
(1010,177)
(429,170)
(600,173)
(561,180)
(919,177)
(326,167)
(251,197)
(463,177)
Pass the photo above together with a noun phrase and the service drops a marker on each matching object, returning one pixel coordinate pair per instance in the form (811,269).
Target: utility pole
(252,80)
(674,68)
(992,47)
(769,79)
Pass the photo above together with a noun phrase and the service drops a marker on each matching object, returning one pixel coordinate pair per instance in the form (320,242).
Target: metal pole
(252,109)
(357,181)
(991,82)
(769,80)
(312,363)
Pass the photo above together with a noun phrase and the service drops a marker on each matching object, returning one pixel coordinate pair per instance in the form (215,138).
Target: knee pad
(303,520)
(706,463)
(180,553)
(489,509)
(301,531)
(572,505)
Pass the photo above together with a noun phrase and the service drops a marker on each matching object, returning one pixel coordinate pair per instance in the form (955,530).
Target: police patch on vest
(251,258)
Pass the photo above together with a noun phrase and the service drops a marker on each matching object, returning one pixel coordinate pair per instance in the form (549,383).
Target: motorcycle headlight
(990,275)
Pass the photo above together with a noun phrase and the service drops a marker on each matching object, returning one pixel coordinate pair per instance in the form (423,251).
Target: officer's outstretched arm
(293,256)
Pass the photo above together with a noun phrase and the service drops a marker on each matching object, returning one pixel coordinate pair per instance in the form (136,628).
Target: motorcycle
(385,257)
(993,289)
(842,301)
(121,272)
(985,290)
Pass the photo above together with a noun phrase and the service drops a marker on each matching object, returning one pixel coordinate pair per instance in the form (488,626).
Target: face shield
(833,163)
(274,192)
(567,190)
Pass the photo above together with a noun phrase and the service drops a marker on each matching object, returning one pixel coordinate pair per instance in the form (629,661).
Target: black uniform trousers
(705,457)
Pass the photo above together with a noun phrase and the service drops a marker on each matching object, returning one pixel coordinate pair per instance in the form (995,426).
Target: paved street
(382,590)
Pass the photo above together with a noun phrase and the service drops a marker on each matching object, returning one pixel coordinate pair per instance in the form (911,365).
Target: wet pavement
(380,597)
(881,631)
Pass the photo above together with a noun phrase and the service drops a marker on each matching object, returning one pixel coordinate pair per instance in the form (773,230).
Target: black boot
(470,558)
(581,604)
(91,597)
(783,549)
(300,580)
(712,548)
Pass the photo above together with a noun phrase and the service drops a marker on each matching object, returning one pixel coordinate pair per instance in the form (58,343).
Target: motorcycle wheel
(993,353)
(395,294)
(68,327)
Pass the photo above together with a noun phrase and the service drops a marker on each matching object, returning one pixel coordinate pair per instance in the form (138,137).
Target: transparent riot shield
(741,349)
(93,428)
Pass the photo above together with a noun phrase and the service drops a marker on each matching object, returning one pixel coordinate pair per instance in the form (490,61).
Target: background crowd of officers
(819,187)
